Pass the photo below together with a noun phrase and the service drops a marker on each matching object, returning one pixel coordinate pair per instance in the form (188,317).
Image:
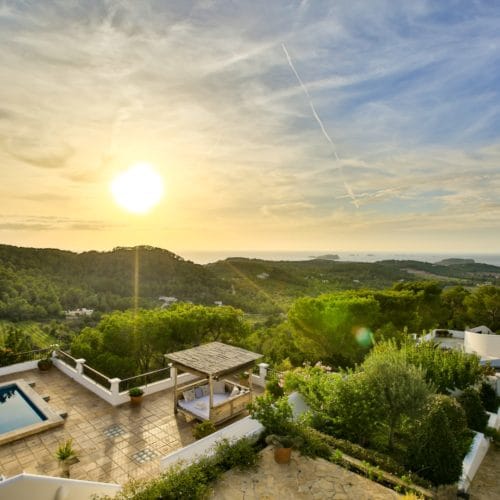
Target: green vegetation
(386,405)
(446,370)
(129,343)
(39,284)
(203,429)
(194,481)
(489,397)
(477,418)
(439,441)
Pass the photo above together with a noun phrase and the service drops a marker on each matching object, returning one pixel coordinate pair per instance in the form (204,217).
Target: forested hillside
(39,284)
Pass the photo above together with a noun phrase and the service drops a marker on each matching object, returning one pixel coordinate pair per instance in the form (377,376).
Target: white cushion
(206,390)
(219,387)
(189,395)
(234,392)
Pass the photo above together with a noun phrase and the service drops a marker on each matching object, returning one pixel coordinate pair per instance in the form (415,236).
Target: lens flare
(364,336)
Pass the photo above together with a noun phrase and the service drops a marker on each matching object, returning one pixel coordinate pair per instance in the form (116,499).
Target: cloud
(41,223)
(407,92)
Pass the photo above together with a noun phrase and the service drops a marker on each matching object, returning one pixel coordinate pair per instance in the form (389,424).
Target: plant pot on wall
(45,364)
(136,394)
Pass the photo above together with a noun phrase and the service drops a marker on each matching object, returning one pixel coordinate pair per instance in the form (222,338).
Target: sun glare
(138,189)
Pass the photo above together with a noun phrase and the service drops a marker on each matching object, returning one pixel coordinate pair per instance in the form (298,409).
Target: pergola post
(173,373)
(211,396)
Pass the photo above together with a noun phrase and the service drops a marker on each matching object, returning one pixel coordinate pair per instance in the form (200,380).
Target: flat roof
(214,358)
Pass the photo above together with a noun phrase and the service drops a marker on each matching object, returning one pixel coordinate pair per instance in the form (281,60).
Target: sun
(138,189)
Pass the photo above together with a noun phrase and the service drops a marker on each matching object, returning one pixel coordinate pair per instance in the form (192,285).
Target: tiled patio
(113,443)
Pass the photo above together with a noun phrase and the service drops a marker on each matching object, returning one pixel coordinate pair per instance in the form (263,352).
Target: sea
(205,257)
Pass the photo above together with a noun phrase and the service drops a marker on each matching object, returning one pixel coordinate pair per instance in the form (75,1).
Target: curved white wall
(486,346)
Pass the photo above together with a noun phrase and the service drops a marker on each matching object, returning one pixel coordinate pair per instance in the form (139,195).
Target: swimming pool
(23,412)
(16,410)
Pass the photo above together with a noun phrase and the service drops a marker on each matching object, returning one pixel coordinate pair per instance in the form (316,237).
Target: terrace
(113,443)
(114,440)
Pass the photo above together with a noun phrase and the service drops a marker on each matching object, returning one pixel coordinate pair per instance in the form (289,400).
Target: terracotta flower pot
(135,400)
(282,455)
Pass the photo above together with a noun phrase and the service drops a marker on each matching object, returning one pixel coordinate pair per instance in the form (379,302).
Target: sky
(284,125)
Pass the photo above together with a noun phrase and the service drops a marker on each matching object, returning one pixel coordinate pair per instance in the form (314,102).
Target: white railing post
(263,372)
(79,365)
(115,387)
(55,348)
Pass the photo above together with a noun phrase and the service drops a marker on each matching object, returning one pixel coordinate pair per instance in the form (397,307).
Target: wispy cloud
(387,106)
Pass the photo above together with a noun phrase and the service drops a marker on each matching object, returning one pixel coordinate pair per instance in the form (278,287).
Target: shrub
(135,392)
(240,454)
(489,397)
(440,441)
(445,369)
(317,444)
(7,356)
(274,388)
(193,482)
(477,418)
(203,429)
(284,441)
(275,415)
(493,435)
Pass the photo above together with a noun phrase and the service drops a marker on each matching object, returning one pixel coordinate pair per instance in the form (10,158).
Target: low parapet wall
(31,486)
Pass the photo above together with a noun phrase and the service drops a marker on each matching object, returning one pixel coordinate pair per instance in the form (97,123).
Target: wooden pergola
(213,363)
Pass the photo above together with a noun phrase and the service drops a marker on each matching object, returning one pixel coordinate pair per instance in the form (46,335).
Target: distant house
(78,313)
(481,329)
(218,303)
(263,276)
(167,301)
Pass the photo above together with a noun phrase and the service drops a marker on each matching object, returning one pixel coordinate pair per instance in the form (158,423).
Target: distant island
(328,256)
(455,262)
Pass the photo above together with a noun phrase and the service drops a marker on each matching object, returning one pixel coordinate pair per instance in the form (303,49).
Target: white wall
(18,367)
(486,346)
(117,398)
(473,460)
(32,487)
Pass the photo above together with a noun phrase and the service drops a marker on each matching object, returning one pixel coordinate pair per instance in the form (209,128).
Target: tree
(400,386)
(133,342)
(334,328)
(483,307)
(428,307)
(453,300)
(440,441)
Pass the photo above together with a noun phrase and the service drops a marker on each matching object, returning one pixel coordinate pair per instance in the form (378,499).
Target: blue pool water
(16,410)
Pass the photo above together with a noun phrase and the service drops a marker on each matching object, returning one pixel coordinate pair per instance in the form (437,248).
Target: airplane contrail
(320,123)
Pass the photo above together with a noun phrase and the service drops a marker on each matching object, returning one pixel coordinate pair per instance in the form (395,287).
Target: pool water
(16,410)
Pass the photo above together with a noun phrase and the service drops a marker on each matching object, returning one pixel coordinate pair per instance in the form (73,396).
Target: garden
(406,410)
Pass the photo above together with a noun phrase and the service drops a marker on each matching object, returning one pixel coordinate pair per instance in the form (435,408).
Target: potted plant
(66,456)
(45,364)
(136,394)
(283,446)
